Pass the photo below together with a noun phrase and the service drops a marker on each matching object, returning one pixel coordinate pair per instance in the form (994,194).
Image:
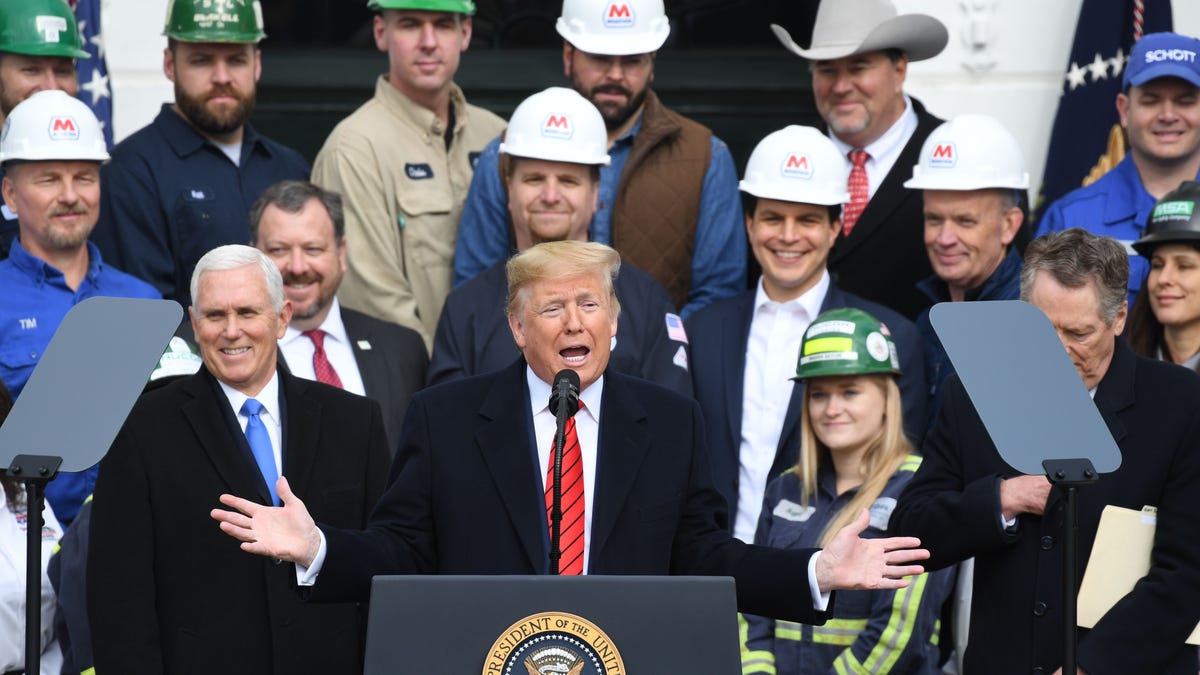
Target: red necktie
(571,539)
(321,365)
(859,189)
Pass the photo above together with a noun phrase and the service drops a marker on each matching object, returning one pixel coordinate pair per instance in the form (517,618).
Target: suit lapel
(301,427)
(210,417)
(735,337)
(506,442)
(624,441)
(370,368)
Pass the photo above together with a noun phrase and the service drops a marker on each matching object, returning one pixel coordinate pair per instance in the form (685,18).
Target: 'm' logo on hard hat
(63,128)
(797,165)
(558,127)
(618,14)
(944,156)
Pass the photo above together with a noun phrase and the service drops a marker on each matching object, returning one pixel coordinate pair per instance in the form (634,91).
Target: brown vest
(658,197)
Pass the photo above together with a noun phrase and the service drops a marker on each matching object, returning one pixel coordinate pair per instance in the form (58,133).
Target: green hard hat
(846,341)
(214,21)
(40,28)
(456,6)
(1174,220)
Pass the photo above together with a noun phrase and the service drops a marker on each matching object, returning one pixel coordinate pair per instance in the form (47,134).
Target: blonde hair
(879,462)
(558,260)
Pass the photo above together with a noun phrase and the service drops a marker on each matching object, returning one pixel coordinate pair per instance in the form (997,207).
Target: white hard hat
(614,27)
(797,164)
(970,152)
(52,125)
(557,125)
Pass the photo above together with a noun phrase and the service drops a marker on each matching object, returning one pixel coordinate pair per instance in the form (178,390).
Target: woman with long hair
(853,457)
(1165,320)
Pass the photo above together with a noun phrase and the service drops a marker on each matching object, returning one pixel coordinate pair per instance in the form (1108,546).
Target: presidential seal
(553,643)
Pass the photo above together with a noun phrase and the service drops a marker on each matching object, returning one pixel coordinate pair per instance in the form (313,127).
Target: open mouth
(574,355)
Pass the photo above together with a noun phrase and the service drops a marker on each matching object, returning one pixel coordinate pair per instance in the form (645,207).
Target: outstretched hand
(285,532)
(851,562)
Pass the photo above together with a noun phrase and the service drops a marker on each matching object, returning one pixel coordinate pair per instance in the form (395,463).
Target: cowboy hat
(848,27)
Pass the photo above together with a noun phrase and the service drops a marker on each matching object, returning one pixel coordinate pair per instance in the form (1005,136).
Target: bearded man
(183,184)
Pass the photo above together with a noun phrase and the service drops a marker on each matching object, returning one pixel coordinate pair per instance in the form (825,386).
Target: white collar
(332,325)
(810,301)
(891,140)
(539,395)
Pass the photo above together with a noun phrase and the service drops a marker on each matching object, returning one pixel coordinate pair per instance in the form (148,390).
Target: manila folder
(1120,557)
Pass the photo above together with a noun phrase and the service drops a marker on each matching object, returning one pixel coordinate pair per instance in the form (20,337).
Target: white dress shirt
(587,427)
(776,330)
(885,150)
(270,414)
(298,351)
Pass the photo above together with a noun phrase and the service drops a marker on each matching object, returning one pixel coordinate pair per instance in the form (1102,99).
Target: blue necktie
(260,445)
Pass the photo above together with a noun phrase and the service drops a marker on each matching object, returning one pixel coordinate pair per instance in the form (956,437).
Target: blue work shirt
(170,196)
(1116,206)
(35,300)
(718,254)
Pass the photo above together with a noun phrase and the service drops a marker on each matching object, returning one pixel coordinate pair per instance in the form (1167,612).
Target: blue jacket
(719,336)
(34,301)
(170,196)
(1116,206)
(8,226)
(473,337)
(1004,284)
(871,631)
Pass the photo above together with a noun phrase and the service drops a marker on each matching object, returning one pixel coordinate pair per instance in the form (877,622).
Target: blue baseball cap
(1163,55)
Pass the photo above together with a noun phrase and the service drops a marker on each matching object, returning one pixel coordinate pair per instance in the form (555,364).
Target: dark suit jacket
(720,334)
(473,336)
(953,505)
(393,368)
(467,498)
(884,257)
(169,592)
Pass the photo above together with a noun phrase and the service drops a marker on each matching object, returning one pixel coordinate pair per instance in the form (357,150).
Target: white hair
(234,256)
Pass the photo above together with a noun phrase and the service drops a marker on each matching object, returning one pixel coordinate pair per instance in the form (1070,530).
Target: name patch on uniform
(200,193)
(789,510)
(881,512)
(418,171)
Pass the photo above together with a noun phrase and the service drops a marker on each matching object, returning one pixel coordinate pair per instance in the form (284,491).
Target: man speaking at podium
(469,493)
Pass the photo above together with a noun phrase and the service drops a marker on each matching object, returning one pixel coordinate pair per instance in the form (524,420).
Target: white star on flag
(1076,76)
(1099,68)
(97,86)
(1118,62)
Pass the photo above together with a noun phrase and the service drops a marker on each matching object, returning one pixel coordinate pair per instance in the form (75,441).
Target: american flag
(94,87)
(1087,109)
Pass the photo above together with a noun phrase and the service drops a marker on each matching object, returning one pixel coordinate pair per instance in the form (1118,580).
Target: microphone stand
(34,471)
(564,401)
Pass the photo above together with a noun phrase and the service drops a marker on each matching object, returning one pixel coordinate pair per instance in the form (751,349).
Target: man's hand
(852,563)
(285,532)
(1023,494)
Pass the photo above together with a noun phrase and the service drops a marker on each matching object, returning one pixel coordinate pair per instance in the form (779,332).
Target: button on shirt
(270,415)
(885,150)
(771,352)
(587,426)
(298,350)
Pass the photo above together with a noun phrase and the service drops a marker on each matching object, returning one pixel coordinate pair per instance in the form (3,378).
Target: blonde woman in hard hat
(854,460)
(1165,320)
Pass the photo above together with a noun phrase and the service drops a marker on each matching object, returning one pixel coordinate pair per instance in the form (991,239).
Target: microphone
(565,390)
(564,402)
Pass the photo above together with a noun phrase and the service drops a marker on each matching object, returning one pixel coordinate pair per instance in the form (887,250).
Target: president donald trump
(470,496)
